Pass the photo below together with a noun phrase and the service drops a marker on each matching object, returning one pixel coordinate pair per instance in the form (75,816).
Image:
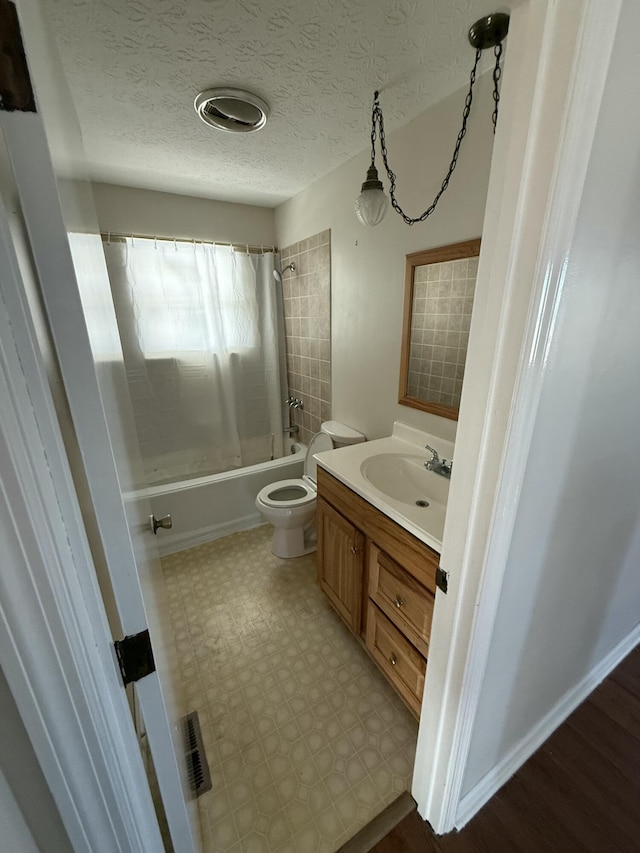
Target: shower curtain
(202,339)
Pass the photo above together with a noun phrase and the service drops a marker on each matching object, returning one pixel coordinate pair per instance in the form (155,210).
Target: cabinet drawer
(397,658)
(405,601)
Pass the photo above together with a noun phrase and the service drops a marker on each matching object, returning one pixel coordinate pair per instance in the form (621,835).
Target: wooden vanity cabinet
(381,580)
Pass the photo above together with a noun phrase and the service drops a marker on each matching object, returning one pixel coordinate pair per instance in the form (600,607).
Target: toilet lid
(320,441)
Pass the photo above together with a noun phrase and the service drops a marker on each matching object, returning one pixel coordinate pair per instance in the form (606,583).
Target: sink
(404,478)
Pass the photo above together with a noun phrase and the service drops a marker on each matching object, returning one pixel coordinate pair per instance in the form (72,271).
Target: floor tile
(306,740)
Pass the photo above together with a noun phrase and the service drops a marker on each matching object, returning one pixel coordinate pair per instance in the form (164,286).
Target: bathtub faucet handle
(294,403)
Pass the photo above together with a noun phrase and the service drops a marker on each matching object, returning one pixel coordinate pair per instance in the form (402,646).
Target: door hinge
(442,579)
(135,657)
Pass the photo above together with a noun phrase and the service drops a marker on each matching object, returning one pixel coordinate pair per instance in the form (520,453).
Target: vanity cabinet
(381,580)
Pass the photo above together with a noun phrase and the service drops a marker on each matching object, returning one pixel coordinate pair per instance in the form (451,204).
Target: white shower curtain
(199,326)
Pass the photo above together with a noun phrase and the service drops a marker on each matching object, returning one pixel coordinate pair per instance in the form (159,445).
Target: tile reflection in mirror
(440,286)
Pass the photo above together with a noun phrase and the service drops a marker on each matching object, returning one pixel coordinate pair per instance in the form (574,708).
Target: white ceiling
(135,66)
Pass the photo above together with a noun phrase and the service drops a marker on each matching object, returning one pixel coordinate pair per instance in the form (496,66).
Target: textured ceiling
(135,66)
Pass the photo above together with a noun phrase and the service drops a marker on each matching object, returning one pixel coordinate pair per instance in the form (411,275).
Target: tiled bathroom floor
(305,739)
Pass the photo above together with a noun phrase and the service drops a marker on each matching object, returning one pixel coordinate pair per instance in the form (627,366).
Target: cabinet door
(341,564)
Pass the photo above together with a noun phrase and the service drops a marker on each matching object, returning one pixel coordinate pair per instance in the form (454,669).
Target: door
(75,292)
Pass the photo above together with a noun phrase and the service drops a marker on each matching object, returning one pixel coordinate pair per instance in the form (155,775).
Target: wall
(307,319)
(367,277)
(135,211)
(367,265)
(571,593)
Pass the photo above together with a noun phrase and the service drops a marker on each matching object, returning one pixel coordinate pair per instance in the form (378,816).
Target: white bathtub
(207,508)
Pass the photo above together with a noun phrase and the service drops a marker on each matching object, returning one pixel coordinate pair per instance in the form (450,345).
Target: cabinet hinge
(135,657)
(442,579)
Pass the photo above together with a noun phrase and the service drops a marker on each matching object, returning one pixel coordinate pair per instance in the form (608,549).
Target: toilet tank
(341,434)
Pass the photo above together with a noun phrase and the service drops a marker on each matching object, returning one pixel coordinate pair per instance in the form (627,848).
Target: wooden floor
(579,792)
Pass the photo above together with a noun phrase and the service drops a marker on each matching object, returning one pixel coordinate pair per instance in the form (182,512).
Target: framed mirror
(438,300)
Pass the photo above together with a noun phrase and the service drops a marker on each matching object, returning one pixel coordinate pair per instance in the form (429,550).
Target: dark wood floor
(579,792)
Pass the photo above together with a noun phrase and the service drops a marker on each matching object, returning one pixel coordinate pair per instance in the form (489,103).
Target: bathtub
(206,508)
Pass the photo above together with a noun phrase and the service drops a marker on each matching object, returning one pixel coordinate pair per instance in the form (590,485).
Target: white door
(76,296)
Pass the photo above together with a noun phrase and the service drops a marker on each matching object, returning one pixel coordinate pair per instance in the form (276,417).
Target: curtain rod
(116,237)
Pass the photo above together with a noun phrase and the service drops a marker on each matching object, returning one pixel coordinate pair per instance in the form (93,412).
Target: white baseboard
(171,543)
(473,801)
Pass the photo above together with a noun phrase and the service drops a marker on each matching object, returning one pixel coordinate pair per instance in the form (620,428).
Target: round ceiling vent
(233,110)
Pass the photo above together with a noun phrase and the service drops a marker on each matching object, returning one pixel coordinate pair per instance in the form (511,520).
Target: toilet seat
(282,493)
(275,494)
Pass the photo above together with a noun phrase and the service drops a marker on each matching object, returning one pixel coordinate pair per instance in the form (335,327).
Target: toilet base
(293,542)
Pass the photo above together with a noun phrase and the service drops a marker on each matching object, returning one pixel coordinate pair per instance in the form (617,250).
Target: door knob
(165,522)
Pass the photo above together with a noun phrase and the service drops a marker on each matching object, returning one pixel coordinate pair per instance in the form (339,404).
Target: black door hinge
(135,657)
(442,579)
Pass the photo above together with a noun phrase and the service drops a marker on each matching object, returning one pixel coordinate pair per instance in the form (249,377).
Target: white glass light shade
(371,206)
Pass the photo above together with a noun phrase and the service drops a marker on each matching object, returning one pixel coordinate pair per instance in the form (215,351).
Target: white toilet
(290,505)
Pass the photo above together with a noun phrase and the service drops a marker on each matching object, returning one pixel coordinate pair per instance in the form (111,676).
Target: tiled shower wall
(307,320)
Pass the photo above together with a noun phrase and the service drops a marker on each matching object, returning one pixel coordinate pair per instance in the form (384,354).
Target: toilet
(290,505)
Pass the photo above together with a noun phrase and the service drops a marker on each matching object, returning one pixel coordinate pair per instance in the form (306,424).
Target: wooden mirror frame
(453,252)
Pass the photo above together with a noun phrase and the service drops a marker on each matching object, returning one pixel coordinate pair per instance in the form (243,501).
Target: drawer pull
(354,550)
(398,602)
(393,660)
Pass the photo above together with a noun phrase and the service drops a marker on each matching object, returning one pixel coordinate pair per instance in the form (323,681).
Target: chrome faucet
(437,465)
(291,430)
(294,403)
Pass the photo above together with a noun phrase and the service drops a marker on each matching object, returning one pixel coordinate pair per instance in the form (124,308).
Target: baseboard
(171,543)
(473,801)
(380,826)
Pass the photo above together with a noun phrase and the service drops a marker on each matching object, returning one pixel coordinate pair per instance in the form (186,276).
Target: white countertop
(425,523)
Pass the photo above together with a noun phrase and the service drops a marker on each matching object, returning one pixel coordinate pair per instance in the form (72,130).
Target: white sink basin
(404,478)
(389,473)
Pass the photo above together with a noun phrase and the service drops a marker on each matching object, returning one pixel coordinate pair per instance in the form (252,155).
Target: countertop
(425,523)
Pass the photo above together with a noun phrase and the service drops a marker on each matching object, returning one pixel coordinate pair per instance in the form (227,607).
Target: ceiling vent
(232,110)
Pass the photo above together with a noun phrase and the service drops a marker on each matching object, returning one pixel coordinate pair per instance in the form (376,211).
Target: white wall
(571,592)
(136,211)
(367,286)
